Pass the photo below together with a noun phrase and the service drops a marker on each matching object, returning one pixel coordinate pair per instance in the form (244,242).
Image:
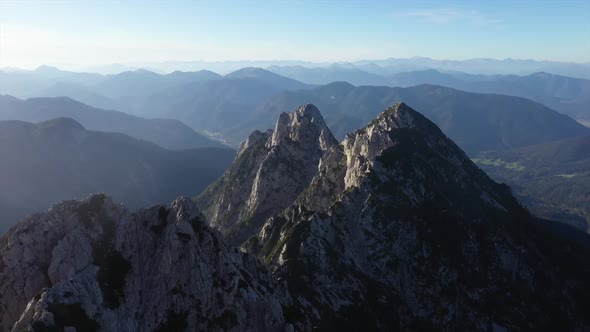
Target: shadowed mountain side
(552,179)
(51,161)
(168,133)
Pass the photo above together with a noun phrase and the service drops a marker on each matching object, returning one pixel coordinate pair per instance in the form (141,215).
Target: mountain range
(168,133)
(396,229)
(485,66)
(477,122)
(227,108)
(564,94)
(59,159)
(186,95)
(203,100)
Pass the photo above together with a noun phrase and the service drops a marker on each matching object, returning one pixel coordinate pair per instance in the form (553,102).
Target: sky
(57,32)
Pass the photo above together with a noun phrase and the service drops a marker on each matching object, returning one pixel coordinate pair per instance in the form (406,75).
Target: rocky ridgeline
(92,265)
(394,228)
(271,169)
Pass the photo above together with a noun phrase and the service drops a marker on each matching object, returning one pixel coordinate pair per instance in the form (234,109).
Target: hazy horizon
(69,34)
(225,67)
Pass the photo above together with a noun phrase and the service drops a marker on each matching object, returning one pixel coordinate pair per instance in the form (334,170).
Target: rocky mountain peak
(269,172)
(306,126)
(393,205)
(401,113)
(255,137)
(363,146)
(310,111)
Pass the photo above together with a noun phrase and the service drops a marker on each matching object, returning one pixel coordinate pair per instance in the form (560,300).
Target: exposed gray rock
(92,265)
(400,230)
(270,171)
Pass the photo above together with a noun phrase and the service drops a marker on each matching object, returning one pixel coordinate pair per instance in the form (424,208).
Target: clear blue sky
(93,32)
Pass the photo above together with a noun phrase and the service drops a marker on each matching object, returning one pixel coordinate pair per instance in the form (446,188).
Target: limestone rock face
(400,230)
(92,265)
(270,171)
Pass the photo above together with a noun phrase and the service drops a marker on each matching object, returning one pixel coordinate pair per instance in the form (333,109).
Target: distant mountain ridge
(144,82)
(486,66)
(203,99)
(477,122)
(168,133)
(567,95)
(269,77)
(59,160)
(235,104)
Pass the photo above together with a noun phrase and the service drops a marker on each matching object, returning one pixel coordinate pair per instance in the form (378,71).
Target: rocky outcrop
(270,171)
(91,265)
(400,230)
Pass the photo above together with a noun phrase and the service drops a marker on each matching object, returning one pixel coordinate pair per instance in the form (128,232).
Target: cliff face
(94,266)
(399,229)
(270,171)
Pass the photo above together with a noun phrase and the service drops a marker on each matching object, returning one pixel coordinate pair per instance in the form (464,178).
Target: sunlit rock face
(270,171)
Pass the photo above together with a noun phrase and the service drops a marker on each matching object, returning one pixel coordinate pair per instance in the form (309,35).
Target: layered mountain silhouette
(203,100)
(567,95)
(235,103)
(564,94)
(59,159)
(144,82)
(394,229)
(168,133)
(476,122)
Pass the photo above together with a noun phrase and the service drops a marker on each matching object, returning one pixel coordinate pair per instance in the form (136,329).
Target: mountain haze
(477,122)
(58,160)
(168,133)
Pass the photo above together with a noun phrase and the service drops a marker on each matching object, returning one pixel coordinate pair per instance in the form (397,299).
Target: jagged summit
(270,171)
(401,115)
(309,110)
(306,125)
(396,224)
